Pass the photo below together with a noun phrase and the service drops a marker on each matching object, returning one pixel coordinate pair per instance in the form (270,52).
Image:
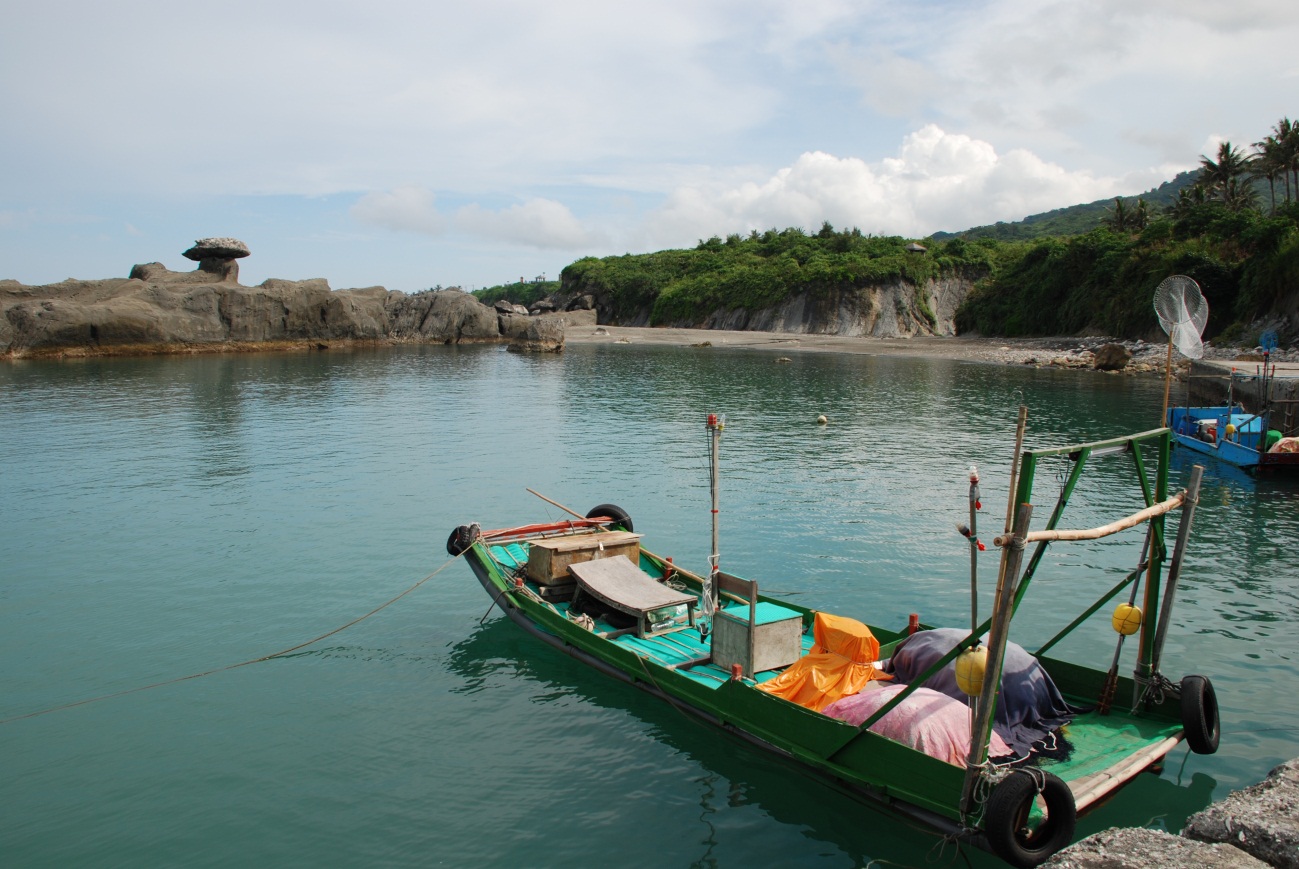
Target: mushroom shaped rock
(217,256)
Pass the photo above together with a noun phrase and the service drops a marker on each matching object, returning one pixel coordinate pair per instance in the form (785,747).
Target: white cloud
(409,209)
(541,223)
(937,181)
(622,125)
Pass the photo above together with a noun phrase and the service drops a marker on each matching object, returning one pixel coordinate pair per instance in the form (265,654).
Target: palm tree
(1287,133)
(1218,174)
(1119,220)
(1239,195)
(1268,163)
(1187,199)
(1141,215)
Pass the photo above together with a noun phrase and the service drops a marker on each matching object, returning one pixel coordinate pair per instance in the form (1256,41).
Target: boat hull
(853,759)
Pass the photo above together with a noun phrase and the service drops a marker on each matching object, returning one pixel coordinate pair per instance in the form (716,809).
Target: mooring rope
(278,654)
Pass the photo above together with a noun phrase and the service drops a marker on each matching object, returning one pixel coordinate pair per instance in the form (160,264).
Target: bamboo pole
(555,503)
(981,731)
(1168,381)
(1175,564)
(1103,531)
(1020,426)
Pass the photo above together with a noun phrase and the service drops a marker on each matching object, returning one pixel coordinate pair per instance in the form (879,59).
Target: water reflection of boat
(733,776)
(793,681)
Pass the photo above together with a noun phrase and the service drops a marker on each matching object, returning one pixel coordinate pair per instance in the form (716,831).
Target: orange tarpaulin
(841,662)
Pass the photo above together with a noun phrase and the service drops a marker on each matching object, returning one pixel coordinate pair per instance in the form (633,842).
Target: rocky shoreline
(157,311)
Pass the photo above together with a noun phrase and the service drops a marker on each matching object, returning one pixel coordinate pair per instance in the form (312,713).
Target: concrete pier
(1210,381)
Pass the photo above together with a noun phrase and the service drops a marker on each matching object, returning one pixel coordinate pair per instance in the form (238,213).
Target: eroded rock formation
(156,308)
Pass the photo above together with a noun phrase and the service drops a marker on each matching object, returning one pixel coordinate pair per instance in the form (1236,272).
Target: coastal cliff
(890,308)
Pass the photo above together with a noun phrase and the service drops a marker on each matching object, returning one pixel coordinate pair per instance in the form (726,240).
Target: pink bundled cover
(927,721)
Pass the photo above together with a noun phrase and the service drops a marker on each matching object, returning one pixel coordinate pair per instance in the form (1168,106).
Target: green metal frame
(1080,454)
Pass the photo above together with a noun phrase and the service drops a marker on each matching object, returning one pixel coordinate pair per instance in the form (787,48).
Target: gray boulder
(1111,357)
(443,316)
(544,334)
(512,325)
(1262,819)
(1139,848)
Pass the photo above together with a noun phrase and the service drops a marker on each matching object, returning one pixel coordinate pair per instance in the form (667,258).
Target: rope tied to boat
(1156,689)
(259,660)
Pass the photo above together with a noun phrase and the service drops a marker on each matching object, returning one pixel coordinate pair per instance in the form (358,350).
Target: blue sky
(413,144)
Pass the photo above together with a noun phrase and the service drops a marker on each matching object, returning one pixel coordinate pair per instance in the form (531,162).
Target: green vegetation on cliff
(1104,281)
(520,293)
(1242,252)
(762,270)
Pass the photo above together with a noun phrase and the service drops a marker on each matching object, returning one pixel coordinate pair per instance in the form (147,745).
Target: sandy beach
(1065,352)
(1061,352)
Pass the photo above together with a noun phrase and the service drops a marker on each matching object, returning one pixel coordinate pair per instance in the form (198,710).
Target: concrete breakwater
(159,310)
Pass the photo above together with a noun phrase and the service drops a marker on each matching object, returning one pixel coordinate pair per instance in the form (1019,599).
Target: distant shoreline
(1002,351)
(1058,352)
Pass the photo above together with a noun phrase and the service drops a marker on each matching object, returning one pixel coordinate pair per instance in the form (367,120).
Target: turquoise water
(164,517)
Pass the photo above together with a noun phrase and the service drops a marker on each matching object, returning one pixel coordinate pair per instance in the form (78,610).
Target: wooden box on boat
(549,559)
(777,638)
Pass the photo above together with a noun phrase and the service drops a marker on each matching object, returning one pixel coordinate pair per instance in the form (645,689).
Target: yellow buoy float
(1127,619)
(970,667)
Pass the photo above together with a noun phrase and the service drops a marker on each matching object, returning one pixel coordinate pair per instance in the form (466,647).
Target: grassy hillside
(1103,282)
(1076,219)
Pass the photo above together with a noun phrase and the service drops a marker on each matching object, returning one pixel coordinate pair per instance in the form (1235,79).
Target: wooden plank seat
(623,586)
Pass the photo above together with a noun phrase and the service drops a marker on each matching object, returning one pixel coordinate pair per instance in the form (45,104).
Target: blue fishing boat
(1263,441)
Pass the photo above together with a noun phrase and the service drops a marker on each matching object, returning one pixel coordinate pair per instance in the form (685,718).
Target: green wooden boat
(708,644)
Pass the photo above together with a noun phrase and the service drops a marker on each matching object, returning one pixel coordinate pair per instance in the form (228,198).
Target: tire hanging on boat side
(462,538)
(1005,819)
(614,512)
(1200,714)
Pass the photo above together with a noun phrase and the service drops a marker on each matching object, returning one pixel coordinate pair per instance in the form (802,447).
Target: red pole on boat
(975,504)
(715,425)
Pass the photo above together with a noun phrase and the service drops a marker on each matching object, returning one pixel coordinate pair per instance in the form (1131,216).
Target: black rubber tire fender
(461,539)
(1005,819)
(614,512)
(1200,714)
